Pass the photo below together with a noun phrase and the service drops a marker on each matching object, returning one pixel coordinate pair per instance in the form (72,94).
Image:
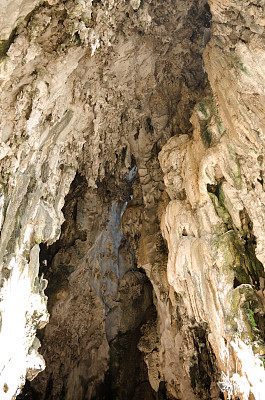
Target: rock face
(132,199)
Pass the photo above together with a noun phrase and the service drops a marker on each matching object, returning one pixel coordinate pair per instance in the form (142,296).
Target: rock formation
(132,199)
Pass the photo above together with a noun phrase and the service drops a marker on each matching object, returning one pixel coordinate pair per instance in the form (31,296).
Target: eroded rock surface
(132,181)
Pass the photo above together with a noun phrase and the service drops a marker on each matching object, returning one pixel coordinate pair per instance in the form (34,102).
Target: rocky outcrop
(132,182)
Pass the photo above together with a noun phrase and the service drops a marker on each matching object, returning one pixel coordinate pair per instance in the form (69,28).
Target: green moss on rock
(221,211)
(233,169)
(244,302)
(206,108)
(208,117)
(5,44)
(254,266)
(206,134)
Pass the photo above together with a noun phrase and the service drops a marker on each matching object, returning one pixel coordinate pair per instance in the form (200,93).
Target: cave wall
(132,199)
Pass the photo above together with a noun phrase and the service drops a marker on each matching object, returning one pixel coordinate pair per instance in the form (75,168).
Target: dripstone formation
(132,199)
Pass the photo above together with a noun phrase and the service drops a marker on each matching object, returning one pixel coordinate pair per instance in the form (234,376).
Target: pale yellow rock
(12,12)
(112,131)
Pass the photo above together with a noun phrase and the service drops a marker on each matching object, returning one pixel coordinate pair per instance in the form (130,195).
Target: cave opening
(154,290)
(98,300)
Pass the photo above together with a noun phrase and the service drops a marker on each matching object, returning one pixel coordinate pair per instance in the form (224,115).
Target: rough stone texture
(12,12)
(151,157)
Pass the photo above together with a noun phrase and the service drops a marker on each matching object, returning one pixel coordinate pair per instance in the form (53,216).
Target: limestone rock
(132,197)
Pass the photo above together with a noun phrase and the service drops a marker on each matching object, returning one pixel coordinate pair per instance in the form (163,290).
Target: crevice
(254,266)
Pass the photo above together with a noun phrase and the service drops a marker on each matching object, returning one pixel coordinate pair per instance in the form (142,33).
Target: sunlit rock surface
(132,199)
